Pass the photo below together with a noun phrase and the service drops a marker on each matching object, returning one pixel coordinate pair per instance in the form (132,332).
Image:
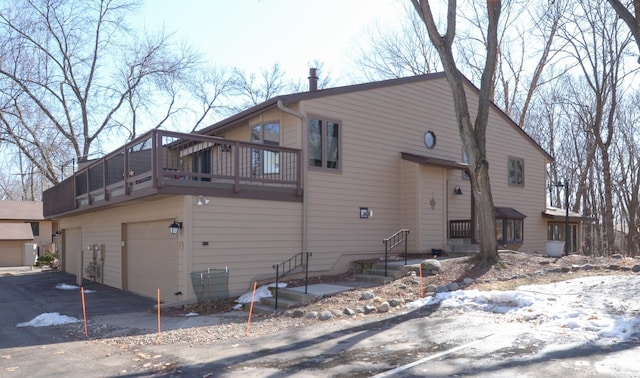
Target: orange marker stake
(84,313)
(421,287)
(253,295)
(158,314)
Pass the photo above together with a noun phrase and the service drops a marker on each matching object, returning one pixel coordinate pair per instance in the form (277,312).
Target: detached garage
(13,237)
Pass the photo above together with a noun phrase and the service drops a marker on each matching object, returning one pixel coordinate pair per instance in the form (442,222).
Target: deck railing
(162,158)
(460,229)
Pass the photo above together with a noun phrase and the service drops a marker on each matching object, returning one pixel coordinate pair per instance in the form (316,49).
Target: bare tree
(597,46)
(252,90)
(632,19)
(72,70)
(395,54)
(472,132)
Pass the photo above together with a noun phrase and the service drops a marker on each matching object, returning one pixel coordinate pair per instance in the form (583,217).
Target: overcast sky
(254,34)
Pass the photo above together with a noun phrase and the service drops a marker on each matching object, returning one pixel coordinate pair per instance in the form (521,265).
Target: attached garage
(151,260)
(71,251)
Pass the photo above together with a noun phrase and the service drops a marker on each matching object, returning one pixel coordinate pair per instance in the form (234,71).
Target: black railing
(290,265)
(393,241)
(460,229)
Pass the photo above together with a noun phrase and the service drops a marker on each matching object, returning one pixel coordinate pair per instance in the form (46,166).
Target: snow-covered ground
(602,308)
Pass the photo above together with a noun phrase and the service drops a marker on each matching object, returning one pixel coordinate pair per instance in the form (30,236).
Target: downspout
(304,173)
(290,111)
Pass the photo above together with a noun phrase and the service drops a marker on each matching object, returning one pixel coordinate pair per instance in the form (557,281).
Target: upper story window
(266,133)
(324,144)
(516,171)
(35,228)
(263,161)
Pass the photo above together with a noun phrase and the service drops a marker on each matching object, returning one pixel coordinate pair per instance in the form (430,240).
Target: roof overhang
(16,231)
(434,162)
(557,214)
(508,212)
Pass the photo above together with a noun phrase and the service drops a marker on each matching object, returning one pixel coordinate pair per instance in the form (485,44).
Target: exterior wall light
(175,227)
(457,191)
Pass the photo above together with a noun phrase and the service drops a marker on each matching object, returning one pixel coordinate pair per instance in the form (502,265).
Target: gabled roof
(297,97)
(21,210)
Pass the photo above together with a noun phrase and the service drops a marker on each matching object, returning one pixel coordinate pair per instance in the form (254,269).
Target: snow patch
(49,319)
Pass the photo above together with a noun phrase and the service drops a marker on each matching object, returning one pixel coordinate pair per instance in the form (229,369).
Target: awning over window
(15,231)
(508,212)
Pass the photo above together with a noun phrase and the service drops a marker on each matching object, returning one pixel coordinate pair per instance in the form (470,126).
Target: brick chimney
(313,80)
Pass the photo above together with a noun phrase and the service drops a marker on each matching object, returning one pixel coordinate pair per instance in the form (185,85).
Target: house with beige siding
(332,172)
(24,233)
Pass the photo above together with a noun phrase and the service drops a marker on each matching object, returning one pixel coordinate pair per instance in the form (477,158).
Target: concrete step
(283,303)
(374,278)
(297,295)
(395,273)
(263,309)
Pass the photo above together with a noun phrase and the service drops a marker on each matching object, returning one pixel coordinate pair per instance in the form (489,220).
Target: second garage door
(151,259)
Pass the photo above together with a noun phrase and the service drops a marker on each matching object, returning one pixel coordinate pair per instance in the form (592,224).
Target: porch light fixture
(175,227)
(457,191)
(566,219)
(202,201)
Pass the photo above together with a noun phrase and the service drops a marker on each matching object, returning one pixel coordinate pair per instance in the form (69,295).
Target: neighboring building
(332,172)
(24,232)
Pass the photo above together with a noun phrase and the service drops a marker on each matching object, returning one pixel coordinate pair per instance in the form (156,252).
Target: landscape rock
(367,295)
(311,315)
(468,281)
(368,309)
(453,286)
(431,267)
(617,256)
(635,268)
(297,313)
(325,315)
(396,302)
(384,307)
(349,312)
(430,288)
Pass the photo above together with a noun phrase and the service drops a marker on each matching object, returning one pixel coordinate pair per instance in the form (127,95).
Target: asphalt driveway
(29,294)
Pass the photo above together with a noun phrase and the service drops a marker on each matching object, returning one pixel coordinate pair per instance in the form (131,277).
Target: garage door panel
(152,260)
(72,250)
(11,253)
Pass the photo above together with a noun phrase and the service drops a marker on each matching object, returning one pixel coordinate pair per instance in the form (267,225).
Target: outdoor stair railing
(393,241)
(289,265)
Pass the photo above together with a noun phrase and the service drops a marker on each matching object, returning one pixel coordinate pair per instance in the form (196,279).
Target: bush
(46,258)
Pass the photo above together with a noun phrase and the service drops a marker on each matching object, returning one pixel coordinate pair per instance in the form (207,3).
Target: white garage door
(152,259)
(71,252)
(11,253)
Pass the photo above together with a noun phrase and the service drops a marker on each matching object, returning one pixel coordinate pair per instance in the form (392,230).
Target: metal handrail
(393,241)
(292,263)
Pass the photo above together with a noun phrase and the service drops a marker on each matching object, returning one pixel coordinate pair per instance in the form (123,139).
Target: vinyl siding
(379,124)
(246,236)
(105,227)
